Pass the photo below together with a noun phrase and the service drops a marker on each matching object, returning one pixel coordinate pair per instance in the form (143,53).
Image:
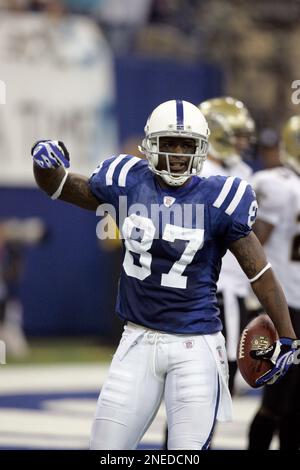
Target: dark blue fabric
(192,309)
(179,114)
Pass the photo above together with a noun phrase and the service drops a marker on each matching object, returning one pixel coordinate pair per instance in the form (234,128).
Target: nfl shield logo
(189,344)
(169,200)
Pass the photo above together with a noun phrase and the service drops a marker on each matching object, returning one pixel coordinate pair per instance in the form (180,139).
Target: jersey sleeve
(243,217)
(113,178)
(237,208)
(271,201)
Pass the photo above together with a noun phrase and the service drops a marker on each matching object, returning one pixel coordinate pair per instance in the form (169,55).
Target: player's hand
(50,154)
(281,354)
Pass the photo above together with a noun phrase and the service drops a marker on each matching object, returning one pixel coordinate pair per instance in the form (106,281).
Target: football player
(278,229)
(231,134)
(176,227)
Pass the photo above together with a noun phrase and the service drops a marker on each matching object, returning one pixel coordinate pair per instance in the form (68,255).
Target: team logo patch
(189,344)
(169,200)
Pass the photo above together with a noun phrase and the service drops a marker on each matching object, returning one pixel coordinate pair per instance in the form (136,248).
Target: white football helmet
(175,118)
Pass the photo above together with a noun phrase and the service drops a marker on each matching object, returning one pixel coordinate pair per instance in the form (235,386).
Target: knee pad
(117,391)
(193,385)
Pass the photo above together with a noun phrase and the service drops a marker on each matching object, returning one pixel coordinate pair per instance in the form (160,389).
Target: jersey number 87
(174,278)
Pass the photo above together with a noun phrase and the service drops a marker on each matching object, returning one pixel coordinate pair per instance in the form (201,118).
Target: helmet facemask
(150,148)
(175,119)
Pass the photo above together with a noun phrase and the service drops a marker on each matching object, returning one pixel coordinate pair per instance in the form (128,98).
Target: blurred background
(88,72)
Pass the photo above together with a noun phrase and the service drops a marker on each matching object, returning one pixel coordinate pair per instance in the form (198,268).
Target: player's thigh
(128,400)
(192,396)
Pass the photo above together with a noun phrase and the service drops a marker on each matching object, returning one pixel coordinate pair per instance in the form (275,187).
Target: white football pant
(147,367)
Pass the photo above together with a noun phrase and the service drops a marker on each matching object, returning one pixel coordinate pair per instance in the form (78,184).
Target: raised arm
(252,260)
(50,161)
(75,189)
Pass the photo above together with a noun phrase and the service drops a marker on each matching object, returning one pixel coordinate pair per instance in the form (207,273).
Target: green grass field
(64,350)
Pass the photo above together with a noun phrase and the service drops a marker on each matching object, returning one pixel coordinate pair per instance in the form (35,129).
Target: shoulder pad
(228,193)
(117,170)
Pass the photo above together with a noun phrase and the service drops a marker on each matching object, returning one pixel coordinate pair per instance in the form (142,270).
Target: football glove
(50,154)
(281,354)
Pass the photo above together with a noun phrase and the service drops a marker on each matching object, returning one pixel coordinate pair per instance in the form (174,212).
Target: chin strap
(173,181)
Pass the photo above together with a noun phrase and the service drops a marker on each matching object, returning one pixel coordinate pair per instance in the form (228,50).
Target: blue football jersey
(174,240)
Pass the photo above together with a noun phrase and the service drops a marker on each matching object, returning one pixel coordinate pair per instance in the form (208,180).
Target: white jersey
(278,192)
(232,278)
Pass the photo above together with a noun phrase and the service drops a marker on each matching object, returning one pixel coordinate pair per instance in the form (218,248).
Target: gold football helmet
(290,143)
(230,125)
